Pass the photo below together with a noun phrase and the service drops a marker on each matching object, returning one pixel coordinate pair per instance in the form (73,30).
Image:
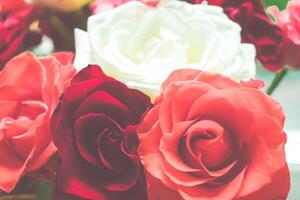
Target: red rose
(94,131)
(257,28)
(209,137)
(29,92)
(15,34)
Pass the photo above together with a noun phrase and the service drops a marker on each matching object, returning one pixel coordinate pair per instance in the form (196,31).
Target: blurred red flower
(17,24)
(257,28)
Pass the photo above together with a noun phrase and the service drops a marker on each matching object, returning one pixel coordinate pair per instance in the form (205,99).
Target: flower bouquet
(147,100)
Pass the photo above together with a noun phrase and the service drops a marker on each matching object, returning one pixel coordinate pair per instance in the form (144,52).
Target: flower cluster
(161,101)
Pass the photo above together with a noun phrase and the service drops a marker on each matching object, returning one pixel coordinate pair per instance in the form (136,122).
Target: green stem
(276,81)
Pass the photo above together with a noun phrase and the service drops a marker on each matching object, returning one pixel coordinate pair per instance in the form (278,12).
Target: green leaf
(281,4)
(43,190)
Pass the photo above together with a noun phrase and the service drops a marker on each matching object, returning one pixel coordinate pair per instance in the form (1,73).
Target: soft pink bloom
(30,88)
(102,5)
(289,22)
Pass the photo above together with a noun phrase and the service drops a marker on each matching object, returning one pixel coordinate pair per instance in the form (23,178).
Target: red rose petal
(72,98)
(102,102)
(89,73)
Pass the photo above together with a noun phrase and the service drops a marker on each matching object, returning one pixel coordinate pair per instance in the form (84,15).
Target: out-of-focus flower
(257,28)
(18,28)
(102,5)
(62,5)
(30,88)
(141,45)
(289,22)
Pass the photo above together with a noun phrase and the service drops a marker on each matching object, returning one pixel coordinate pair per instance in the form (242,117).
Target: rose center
(208,142)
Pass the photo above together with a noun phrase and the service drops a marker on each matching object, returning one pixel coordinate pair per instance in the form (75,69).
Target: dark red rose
(94,129)
(16,17)
(257,28)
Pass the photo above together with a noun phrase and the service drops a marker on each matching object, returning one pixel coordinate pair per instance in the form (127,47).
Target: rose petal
(210,105)
(136,102)
(186,179)
(28,67)
(169,147)
(180,106)
(257,84)
(87,129)
(8,108)
(209,141)
(23,143)
(157,190)
(52,87)
(39,156)
(65,58)
(267,157)
(58,194)
(89,73)
(179,75)
(227,191)
(148,122)
(76,177)
(10,174)
(257,100)
(32,109)
(13,93)
(277,189)
(96,126)
(216,80)
(17,127)
(73,97)
(150,156)
(104,103)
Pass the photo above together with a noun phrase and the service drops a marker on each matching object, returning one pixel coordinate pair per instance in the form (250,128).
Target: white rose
(142,45)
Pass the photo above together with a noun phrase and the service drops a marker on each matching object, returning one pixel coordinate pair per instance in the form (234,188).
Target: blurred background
(288,94)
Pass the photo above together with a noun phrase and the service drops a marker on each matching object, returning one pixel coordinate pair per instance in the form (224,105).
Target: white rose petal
(142,45)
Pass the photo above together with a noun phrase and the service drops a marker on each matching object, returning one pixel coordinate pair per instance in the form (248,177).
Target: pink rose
(102,5)
(209,137)
(289,22)
(30,88)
